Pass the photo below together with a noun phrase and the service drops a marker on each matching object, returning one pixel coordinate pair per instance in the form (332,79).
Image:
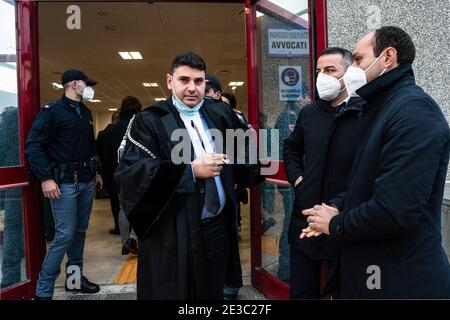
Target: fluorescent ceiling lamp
(150,84)
(95,100)
(233,88)
(125,55)
(57,86)
(160,99)
(240,83)
(232,84)
(112,109)
(136,55)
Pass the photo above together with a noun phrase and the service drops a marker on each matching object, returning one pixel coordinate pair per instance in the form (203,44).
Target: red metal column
(28,96)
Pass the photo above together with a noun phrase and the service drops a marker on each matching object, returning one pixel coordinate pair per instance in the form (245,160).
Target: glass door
(283,37)
(21,232)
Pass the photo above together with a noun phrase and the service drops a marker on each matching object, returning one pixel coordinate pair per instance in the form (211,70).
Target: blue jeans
(71,214)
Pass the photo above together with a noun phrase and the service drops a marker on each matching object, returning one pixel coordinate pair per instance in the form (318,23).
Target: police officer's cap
(73,74)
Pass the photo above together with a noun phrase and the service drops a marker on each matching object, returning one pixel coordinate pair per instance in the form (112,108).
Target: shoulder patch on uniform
(50,105)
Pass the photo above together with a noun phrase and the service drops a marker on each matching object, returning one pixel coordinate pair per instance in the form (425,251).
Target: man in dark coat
(183,212)
(107,148)
(108,172)
(318,158)
(389,219)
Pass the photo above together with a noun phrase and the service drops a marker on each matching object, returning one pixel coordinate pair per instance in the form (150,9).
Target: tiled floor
(103,260)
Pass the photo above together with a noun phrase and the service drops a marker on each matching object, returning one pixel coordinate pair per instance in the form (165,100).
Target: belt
(72,165)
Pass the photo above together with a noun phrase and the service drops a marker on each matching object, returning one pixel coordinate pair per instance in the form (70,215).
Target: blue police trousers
(71,214)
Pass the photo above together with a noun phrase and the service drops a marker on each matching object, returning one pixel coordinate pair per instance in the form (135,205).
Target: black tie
(212,201)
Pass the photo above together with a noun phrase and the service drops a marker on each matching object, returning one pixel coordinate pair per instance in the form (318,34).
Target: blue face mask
(184,109)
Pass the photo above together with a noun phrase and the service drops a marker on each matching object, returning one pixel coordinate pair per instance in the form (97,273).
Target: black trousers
(115,206)
(305,276)
(215,238)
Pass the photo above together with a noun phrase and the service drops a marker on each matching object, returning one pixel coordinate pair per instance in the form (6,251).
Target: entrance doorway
(242,44)
(128,48)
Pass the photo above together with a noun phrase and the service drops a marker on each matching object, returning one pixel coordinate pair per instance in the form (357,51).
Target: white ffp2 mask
(328,87)
(355,78)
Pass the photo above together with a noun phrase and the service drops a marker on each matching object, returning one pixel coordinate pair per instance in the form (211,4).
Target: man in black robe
(183,212)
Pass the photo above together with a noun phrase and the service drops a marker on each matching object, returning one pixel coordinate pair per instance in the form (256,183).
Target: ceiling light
(57,86)
(160,99)
(112,109)
(150,84)
(232,84)
(136,55)
(95,100)
(125,55)
(240,83)
(233,88)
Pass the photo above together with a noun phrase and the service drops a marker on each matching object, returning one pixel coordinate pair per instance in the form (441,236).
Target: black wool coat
(321,149)
(389,226)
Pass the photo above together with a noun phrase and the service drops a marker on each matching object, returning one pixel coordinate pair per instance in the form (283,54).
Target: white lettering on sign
(292,42)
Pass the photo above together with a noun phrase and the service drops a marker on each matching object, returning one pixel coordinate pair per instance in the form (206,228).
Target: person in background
(213,89)
(229,291)
(111,140)
(62,153)
(107,172)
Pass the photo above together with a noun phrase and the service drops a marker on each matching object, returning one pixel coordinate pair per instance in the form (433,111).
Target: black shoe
(130,246)
(42,298)
(85,286)
(115,231)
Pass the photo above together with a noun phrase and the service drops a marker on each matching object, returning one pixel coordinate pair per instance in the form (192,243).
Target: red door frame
(17,177)
(264,281)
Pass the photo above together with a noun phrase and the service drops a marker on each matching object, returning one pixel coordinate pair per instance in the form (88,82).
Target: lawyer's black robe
(164,205)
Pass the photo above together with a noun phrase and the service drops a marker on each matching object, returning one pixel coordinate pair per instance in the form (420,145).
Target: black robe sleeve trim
(146,185)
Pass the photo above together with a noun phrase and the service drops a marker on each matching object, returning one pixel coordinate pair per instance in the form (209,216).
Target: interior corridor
(116,273)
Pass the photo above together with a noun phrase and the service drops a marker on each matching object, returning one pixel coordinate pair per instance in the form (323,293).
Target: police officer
(61,152)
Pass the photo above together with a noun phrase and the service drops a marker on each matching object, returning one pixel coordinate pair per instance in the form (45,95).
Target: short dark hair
(130,104)
(389,36)
(231,98)
(115,116)
(347,57)
(213,83)
(189,59)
